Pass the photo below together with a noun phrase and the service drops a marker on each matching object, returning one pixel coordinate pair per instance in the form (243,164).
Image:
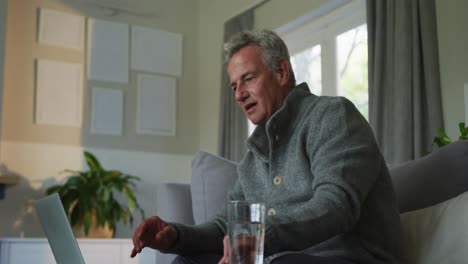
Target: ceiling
(137,8)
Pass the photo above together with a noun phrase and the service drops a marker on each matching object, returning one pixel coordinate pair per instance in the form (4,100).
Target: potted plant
(443,139)
(94,198)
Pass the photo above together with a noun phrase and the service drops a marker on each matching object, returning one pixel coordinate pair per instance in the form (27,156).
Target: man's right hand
(153,232)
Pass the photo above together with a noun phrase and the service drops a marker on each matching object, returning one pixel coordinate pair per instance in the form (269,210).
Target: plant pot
(95,231)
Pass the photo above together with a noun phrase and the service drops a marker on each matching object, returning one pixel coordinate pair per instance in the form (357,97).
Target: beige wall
(22,49)
(3,7)
(453,56)
(38,153)
(18,93)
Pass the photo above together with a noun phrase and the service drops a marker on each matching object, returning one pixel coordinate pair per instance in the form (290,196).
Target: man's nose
(241,94)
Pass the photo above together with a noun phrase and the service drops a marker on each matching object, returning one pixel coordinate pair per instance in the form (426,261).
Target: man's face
(259,91)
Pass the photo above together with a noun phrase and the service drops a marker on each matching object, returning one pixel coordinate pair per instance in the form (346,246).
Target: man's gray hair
(273,48)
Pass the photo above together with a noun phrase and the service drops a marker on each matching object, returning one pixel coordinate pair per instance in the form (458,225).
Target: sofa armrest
(441,174)
(174,202)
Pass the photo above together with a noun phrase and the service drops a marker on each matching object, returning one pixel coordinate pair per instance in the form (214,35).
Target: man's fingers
(226,245)
(152,233)
(134,253)
(225,258)
(139,236)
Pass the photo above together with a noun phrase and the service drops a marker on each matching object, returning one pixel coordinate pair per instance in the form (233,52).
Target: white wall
(452,22)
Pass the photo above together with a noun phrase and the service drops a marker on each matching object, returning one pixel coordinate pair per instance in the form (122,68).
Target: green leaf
(53,189)
(131,200)
(87,221)
(441,133)
(106,194)
(72,171)
(463,131)
(92,162)
(131,177)
(74,182)
(75,216)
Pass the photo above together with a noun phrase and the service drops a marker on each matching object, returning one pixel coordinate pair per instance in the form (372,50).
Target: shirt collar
(280,125)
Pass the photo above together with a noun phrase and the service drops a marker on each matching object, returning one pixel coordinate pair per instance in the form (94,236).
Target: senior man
(335,202)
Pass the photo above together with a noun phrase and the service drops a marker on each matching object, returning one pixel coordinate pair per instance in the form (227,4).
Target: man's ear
(283,72)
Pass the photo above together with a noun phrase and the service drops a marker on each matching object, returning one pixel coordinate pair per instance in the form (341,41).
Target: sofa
(432,195)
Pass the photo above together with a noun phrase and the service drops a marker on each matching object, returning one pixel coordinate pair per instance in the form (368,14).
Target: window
(330,54)
(352,67)
(329,51)
(307,68)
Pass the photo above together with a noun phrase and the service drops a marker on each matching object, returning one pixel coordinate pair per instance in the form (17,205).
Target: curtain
(233,123)
(405,105)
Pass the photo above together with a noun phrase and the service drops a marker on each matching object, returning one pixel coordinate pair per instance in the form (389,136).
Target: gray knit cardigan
(325,184)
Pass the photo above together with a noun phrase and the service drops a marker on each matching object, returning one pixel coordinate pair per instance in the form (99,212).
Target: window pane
(307,68)
(251,127)
(352,67)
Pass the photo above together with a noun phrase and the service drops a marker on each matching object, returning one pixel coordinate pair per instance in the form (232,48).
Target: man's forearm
(198,239)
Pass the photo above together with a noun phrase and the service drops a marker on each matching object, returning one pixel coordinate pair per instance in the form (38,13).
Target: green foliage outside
(354,77)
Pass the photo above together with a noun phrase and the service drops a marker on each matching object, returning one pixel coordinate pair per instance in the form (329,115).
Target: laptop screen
(55,223)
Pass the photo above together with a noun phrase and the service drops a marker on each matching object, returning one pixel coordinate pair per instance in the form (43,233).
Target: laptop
(55,223)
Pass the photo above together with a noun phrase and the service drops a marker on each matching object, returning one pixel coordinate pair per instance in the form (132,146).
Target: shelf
(9,179)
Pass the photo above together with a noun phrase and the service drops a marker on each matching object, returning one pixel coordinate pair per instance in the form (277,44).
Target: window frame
(323,31)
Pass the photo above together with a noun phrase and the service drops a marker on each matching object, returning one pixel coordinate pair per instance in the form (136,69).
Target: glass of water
(246,231)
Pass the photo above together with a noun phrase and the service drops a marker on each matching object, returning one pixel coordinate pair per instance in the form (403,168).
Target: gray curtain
(233,123)
(405,105)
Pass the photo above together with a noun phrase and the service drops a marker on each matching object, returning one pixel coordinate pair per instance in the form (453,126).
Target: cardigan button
(271,212)
(277,180)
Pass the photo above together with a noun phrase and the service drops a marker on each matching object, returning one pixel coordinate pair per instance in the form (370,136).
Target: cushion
(212,178)
(437,234)
(432,179)
(173,202)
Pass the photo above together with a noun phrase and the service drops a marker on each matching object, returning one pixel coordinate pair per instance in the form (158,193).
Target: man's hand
(225,258)
(153,232)
(244,250)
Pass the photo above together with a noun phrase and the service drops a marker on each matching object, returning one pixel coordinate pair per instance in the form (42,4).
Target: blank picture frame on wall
(156,105)
(108,51)
(59,93)
(156,51)
(61,29)
(107,111)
